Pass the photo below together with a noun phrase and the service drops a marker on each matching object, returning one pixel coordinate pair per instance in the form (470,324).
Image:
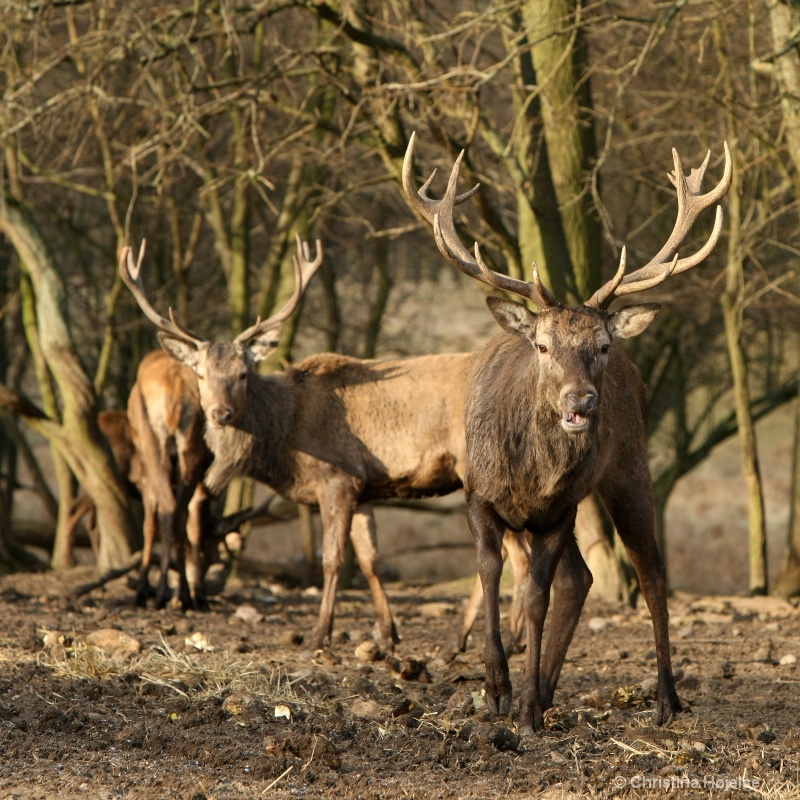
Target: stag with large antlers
(332,431)
(554,410)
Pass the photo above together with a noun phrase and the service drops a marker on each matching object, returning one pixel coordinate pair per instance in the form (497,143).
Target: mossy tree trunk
(77,437)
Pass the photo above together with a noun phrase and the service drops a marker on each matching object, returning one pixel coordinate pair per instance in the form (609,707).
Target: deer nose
(581,402)
(221,415)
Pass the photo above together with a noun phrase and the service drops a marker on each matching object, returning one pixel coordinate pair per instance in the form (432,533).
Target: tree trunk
(79,441)
(560,63)
(596,544)
(788,583)
(732,310)
(784,21)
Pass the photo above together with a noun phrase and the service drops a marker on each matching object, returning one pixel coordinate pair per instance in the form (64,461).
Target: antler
(666,262)
(440,214)
(131,276)
(304,269)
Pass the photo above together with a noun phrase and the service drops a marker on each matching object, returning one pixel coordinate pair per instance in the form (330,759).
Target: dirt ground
(99,699)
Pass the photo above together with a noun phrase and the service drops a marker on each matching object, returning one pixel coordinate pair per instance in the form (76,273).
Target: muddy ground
(231,704)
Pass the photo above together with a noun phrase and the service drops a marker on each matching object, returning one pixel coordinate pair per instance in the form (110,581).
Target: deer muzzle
(220,415)
(577,406)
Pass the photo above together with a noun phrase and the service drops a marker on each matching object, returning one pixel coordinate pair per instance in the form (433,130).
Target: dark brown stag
(167,424)
(554,410)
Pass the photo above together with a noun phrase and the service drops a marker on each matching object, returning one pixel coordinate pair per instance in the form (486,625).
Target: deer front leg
(197,565)
(632,511)
(571,584)
(365,544)
(546,551)
(487,529)
(337,505)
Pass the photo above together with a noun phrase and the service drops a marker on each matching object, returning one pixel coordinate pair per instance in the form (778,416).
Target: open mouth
(573,422)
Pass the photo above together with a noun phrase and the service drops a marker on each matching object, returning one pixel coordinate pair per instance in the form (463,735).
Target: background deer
(332,431)
(167,422)
(554,410)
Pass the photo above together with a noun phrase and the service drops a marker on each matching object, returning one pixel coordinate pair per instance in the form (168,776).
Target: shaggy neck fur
(519,458)
(255,445)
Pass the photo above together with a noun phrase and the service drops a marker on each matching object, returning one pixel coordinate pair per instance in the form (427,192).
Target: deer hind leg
(571,585)
(336,506)
(471,611)
(365,544)
(487,529)
(546,551)
(149,533)
(633,515)
(518,554)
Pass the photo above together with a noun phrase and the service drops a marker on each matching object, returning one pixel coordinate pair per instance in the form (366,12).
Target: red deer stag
(554,410)
(332,431)
(167,424)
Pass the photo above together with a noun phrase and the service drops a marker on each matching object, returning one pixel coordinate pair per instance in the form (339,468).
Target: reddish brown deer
(332,431)
(167,423)
(554,410)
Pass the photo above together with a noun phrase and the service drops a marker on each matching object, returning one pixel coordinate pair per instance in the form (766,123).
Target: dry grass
(194,675)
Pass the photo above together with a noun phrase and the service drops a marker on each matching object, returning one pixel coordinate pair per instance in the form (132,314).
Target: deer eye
(542,348)
(604,348)
(243,375)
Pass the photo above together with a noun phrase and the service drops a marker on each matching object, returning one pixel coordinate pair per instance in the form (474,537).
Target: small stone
(241,703)
(789,660)
(368,651)
(598,624)
(113,643)
(366,709)
(249,614)
(436,609)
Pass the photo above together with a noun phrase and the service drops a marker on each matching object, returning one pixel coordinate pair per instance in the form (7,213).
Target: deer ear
(631,320)
(182,350)
(263,346)
(512,316)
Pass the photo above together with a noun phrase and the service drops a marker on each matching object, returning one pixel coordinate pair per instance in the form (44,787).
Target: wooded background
(218,131)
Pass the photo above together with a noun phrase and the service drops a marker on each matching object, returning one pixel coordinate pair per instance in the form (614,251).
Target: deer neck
(518,456)
(254,446)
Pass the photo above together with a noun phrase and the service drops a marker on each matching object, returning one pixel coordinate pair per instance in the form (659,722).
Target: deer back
(395,427)
(167,424)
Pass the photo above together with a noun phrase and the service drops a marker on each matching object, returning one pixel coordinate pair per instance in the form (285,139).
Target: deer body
(358,421)
(337,433)
(167,424)
(333,432)
(555,410)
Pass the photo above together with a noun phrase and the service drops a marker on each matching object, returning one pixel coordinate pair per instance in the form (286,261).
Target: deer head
(572,344)
(222,368)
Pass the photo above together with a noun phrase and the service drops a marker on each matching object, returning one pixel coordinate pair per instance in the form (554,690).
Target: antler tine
(606,293)
(666,262)
(440,214)
(131,276)
(426,206)
(308,265)
(304,269)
